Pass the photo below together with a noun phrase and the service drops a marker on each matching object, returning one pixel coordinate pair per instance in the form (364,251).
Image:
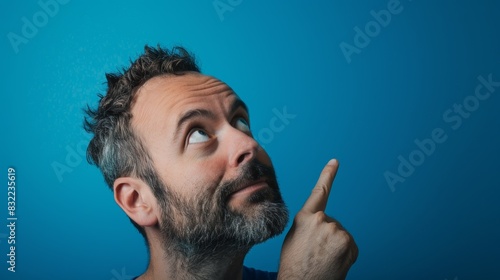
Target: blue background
(440,223)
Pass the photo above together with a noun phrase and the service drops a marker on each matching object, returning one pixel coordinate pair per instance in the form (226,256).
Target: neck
(169,263)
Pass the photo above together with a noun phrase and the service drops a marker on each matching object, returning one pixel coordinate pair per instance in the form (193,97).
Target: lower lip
(250,189)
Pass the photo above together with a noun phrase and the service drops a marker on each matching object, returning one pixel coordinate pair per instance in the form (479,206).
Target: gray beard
(204,233)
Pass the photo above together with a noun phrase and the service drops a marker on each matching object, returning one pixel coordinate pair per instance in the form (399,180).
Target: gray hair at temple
(115,148)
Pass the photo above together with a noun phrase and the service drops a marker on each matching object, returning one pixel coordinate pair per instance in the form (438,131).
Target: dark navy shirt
(254,274)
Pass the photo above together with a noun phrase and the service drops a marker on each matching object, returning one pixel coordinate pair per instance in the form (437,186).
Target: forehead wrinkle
(190,102)
(200,91)
(207,87)
(195,84)
(167,87)
(173,94)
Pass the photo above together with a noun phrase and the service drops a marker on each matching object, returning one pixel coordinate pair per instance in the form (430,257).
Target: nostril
(241,158)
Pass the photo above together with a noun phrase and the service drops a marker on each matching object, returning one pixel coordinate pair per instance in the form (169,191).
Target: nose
(241,146)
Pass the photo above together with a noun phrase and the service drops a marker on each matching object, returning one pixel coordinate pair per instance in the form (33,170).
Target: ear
(136,199)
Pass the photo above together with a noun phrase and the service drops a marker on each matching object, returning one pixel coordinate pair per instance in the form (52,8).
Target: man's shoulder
(254,274)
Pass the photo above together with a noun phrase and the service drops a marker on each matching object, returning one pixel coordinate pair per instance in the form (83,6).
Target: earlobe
(135,198)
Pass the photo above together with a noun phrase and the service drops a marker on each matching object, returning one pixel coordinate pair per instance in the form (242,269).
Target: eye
(242,125)
(198,136)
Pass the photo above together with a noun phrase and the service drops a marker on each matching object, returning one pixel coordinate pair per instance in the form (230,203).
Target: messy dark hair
(115,148)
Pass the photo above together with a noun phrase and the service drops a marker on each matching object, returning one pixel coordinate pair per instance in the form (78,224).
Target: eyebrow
(196,113)
(237,104)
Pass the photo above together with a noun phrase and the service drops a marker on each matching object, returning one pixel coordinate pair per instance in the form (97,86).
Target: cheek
(201,177)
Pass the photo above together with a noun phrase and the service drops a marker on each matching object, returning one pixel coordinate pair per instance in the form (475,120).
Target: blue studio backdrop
(404,93)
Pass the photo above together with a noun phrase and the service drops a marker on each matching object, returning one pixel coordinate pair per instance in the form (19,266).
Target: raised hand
(317,246)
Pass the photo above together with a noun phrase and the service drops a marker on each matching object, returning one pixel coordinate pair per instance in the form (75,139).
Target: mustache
(250,172)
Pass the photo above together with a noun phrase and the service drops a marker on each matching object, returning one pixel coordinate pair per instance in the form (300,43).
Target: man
(176,148)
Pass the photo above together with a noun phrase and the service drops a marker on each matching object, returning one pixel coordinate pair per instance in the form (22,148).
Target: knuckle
(352,252)
(319,217)
(333,227)
(355,252)
(343,239)
(320,189)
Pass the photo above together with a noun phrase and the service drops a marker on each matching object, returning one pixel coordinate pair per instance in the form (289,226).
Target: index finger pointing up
(319,196)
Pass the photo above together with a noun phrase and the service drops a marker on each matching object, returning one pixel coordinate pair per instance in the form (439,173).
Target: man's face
(220,183)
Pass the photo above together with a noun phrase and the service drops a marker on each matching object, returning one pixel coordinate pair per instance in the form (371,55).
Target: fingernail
(332,162)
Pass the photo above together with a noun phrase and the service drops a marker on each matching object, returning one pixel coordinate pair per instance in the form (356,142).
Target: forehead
(163,98)
(177,88)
